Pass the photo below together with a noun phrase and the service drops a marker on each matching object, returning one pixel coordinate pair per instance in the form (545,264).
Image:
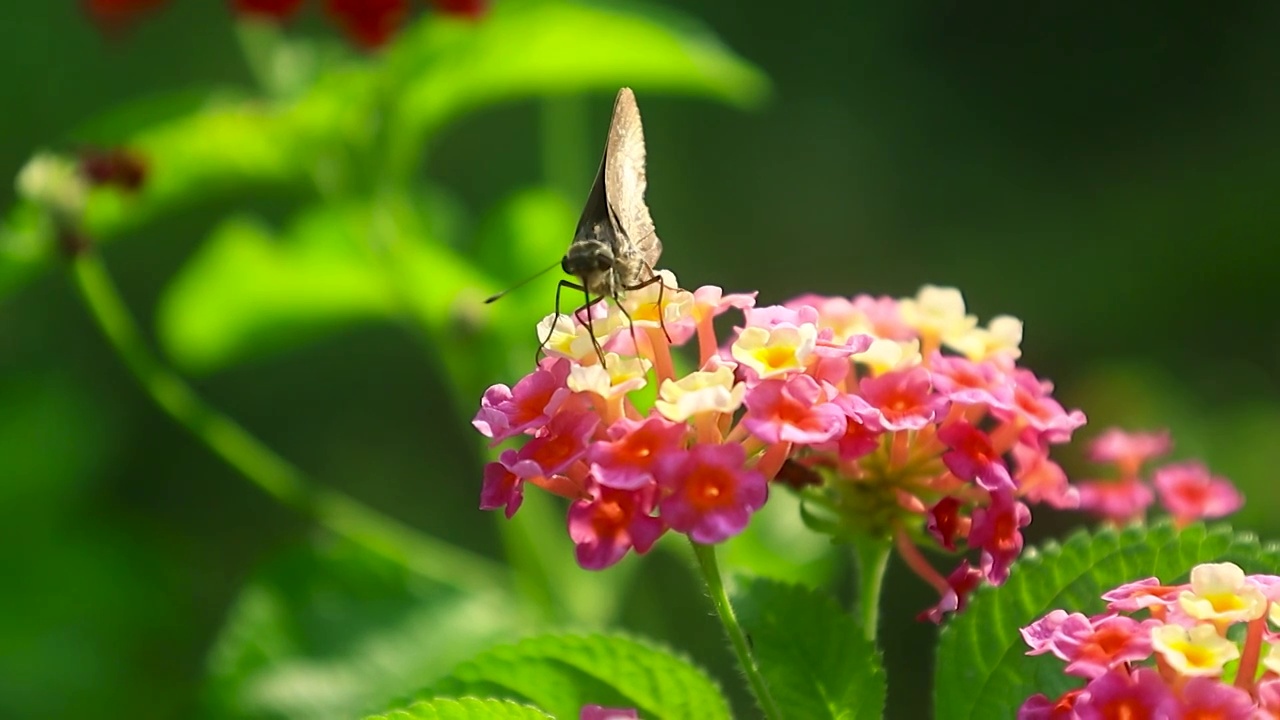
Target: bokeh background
(1107,172)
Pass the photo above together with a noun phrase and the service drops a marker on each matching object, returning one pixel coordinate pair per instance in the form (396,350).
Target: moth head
(587,259)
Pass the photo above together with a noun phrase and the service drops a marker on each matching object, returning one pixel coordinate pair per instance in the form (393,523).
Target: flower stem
(278,478)
(872,558)
(706,555)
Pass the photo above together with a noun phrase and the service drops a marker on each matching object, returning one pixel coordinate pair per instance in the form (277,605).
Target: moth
(615,248)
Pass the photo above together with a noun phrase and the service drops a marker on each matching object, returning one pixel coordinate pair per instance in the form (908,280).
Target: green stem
(340,513)
(706,555)
(872,558)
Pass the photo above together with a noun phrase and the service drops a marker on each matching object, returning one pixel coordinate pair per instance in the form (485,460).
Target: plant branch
(706,555)
(278,478)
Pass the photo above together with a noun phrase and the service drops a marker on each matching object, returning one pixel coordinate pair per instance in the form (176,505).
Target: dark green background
(1108,172)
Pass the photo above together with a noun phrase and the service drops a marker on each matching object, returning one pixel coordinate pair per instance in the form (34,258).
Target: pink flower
(1204,697)
(710,493)
(507,412)
(1118,502)
(503,482)
(627,459)
(563,442)
(1033,406)
(997,529)
(1039,707)
(862,431)
(903,399)
(1140,696)
(944,522)
(1040,479)
(962,380)
(1107,641)
(1141,594)
(1041,633)
(1128,450)
(972,458)
(960,583)
(792,411)
(1189,493)
(612,522)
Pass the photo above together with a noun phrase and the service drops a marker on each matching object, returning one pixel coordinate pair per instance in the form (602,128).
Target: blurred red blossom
(267,9)
(473,9)
(369,23)
(116,14)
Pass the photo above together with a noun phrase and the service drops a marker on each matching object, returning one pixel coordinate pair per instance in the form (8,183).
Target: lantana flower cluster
(1187,489)
(1203,649)
(895,419)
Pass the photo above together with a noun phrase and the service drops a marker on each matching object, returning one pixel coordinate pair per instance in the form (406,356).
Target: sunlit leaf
(235,146)
(562,673)
(552,47)
(982,668)
(332,632)
(246,292)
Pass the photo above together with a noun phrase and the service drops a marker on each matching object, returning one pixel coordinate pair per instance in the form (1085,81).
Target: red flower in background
(113,166)
(473,9)
(370,23)
(115,14)
(267,9)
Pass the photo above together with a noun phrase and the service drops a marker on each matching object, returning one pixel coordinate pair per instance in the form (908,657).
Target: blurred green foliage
(1101,172)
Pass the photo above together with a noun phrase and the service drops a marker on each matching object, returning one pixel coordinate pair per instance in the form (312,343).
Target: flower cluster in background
(1201,650)
(367,23)
(894,418)
(1187,490)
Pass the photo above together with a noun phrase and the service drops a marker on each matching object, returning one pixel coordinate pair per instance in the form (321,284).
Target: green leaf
(562,673)
(551,47)
(982,669)
(246,292)
(464,709)
(234,146)
(814,657)
(333,631)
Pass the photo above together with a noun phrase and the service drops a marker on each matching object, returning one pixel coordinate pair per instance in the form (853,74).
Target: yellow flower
(777,351)
(1198,652)
(1220,593)
(699,392)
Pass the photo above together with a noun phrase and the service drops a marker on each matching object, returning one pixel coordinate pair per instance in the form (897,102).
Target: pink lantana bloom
(1190,493)
(1128,450)
(896,415)
(709,492)
(792,411)
(1187,490)
(612,522)
(1181,659)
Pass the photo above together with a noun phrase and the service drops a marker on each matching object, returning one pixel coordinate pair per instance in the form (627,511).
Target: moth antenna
(524,282)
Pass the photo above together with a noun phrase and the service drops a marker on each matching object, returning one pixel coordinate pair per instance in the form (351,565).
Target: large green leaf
(464,709)
(554,47)
(333,631)
(562,673)
(236,146)
(814,656)
(982,668)
(247,292)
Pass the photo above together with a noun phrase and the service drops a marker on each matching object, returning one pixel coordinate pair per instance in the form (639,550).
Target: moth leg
(631,324)
(653,278)
(591,330)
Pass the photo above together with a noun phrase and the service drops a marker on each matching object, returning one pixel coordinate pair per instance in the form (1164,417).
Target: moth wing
(624,180)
